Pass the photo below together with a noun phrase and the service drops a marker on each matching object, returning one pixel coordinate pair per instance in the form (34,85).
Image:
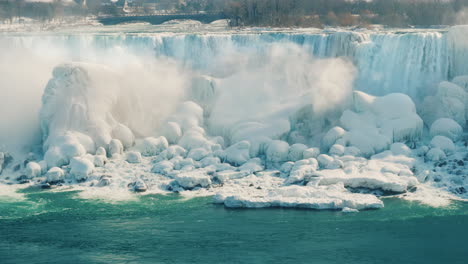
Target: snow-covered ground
(276,126)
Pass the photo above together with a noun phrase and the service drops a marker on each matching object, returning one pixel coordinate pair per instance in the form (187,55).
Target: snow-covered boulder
(400,149)
(172,132)
(101,152)
(446,127)
(81,168)
(115,147)
(450,101)
(198,154)
(337,150)
(311,153)
(436,154)
(133,157)
(124,134)
(33,170)
(443,143)
(238,153)
(55,174)
(163,167)
(151,146)
(192,179)
(277,152)
(331,137)
(296,152)
(377,122)
(324,160)
(252,166)
(100,160)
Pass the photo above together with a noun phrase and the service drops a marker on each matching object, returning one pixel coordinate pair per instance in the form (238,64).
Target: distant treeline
(398,13)
(279,13)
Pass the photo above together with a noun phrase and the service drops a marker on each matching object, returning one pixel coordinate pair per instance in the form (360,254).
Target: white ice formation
(284,129)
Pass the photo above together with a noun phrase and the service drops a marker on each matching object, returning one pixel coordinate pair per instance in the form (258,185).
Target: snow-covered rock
(446,127)
(172,132)
(55,174)
(81,168)
(133,157)
(436,154)
(192,179)
(400,149)
(377,122)
(337,150)
(311,153)
(331,137)
(151,146)
(450,101)
(115,147)
(124,134)
(198,154)
(100,160)
(277,152)
(443,143)
(163,167)
(296,152)
(33,170)
(238,153)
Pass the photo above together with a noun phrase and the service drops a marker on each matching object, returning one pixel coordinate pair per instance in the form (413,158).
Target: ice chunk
(227,175)
(192,179)
(321,197)
(446,127)
(301,170)
(443,143)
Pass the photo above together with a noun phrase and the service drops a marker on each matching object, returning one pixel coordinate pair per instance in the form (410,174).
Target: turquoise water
(52,227)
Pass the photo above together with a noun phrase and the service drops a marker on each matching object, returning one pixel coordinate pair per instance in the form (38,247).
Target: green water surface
(58,227)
